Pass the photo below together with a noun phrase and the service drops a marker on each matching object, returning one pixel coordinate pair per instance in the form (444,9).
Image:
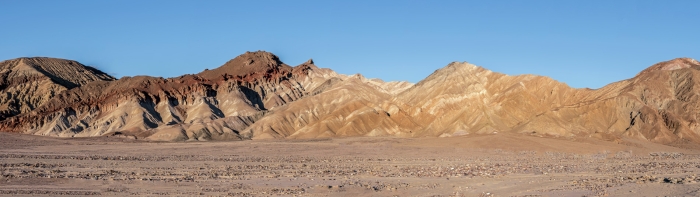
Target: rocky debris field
(32,165)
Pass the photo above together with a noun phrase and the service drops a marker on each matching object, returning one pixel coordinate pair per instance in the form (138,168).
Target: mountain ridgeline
(257,96)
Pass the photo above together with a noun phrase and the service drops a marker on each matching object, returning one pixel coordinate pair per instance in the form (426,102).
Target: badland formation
(257,96)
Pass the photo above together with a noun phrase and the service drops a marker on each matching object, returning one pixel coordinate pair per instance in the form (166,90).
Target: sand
(472,165)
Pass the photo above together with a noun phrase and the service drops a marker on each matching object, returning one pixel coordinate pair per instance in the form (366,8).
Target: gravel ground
(40,166)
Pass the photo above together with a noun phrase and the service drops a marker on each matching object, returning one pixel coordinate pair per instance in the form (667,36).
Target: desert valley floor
(473,165)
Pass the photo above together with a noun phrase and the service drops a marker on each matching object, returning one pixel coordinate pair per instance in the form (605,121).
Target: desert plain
(256,126)
(500,164)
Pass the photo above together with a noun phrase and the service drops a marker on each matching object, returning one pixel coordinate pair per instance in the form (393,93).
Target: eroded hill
(256,95)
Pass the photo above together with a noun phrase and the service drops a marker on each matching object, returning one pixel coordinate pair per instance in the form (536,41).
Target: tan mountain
(257,96)
(657,105)
(350,107)
(27,83)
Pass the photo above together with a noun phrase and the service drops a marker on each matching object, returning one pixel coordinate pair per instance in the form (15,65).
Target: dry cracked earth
(473,165)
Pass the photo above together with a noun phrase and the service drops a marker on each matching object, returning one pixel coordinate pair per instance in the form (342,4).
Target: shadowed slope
(350,107)
(181,108)
(255,96)
(27,83)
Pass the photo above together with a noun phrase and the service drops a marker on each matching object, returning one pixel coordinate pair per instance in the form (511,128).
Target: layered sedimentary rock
(214,104)
(257,96)
(27,83)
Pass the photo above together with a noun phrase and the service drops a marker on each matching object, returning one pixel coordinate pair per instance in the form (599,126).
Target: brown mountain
(27,83)
(255,96)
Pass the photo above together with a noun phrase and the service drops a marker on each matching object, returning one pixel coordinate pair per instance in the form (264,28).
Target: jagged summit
(308,64)
(248,63)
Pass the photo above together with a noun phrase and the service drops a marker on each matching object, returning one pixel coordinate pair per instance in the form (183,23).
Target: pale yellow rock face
(463,99)
(256,96)
(351,108)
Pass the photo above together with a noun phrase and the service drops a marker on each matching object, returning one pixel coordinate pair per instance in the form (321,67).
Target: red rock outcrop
(212,104)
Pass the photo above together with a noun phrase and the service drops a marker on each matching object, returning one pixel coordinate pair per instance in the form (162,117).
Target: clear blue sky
(581,43)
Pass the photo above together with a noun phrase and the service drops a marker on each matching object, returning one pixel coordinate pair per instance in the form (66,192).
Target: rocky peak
(457,68)
(305,67)
(248,64)
(460,70)
(261,57)
(310,61)
(674,64)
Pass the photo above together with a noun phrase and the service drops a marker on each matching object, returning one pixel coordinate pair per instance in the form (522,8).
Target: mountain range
(257,96)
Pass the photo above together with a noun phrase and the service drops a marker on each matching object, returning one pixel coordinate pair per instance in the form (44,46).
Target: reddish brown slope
(214,104)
